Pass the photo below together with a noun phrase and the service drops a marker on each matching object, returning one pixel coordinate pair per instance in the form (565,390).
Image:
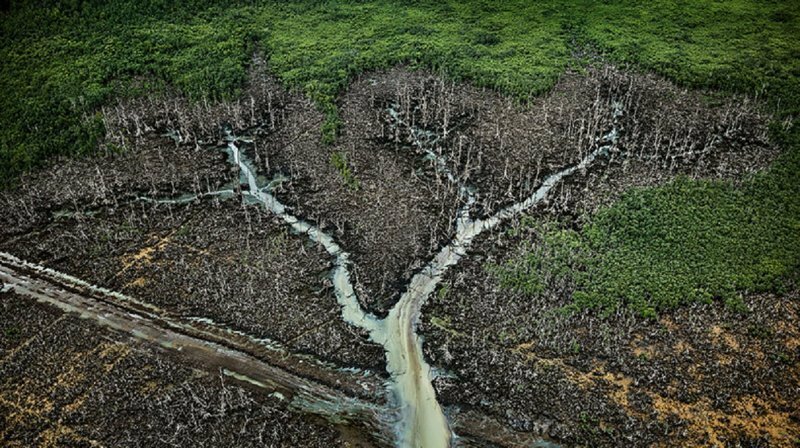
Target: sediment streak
(145,322)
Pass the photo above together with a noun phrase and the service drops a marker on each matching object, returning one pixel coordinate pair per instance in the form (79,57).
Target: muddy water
(422,422)
(345,295)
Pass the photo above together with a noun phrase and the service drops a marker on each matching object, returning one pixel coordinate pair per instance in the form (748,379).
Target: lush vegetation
(688,241)
(746,46)
(63,59)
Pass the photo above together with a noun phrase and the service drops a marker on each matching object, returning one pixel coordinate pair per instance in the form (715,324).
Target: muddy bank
(66,381)
(212,260)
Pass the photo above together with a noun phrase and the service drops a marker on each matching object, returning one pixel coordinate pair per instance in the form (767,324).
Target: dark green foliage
(339,162)
(688,241)
(59,66)
(61,60)
(545,265)
(739,45)
(12,332)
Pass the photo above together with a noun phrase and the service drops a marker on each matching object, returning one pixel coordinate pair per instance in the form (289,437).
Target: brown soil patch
(719,334)
(681,347)
(620,384)
(643,351)
(138,282)
(751,417)
(668,323)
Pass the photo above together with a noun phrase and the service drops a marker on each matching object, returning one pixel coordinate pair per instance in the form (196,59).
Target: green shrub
(339,162)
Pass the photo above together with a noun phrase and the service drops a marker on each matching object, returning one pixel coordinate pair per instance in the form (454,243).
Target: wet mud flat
(68,382)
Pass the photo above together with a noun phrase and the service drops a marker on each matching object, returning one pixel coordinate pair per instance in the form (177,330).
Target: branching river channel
(414,417)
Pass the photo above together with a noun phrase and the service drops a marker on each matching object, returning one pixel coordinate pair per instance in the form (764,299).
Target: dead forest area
(505,328)
(649,297)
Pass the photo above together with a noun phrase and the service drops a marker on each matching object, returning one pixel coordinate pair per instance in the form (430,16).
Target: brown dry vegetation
(504,149)
(702,375)
(234,265)
(706,375)
(616,380)
(67,382)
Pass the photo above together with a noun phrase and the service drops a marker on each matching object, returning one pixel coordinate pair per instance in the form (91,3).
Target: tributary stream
(422,422)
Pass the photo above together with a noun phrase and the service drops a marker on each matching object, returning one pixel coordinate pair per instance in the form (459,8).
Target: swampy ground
(649,299)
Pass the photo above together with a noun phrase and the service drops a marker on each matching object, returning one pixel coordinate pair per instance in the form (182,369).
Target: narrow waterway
(345,294)
(422,422)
